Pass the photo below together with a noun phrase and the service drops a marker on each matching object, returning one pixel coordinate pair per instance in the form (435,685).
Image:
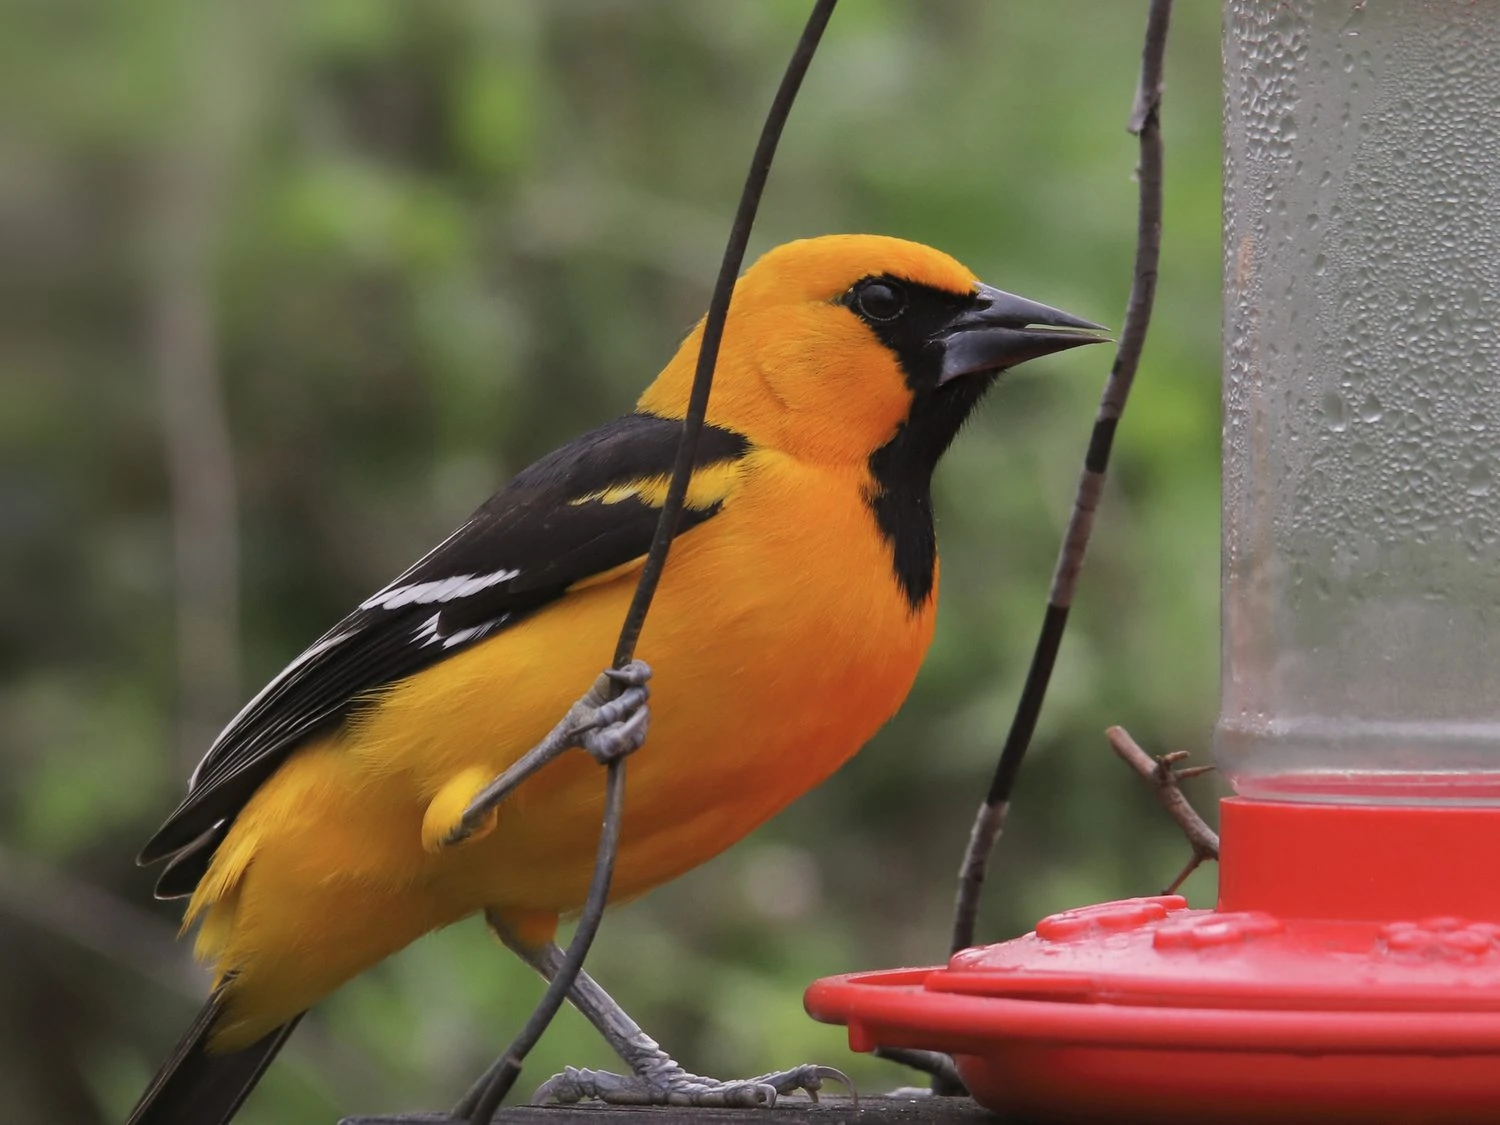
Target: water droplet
(1480,480)
(1335,413)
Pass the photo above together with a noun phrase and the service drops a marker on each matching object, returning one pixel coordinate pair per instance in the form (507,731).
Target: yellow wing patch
(709,485)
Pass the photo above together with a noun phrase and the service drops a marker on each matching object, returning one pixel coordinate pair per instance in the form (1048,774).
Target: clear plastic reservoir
(1361,631)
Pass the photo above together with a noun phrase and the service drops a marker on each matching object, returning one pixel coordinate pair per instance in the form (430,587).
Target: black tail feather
(194,1087)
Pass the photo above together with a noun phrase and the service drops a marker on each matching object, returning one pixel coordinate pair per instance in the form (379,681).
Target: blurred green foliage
(413,246)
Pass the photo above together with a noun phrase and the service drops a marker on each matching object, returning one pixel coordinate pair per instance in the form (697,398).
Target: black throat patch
(901,499)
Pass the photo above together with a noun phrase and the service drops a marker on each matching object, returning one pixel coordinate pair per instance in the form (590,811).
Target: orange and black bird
(326,828)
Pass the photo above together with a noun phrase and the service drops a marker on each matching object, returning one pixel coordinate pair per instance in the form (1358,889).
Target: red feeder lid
(1314,992)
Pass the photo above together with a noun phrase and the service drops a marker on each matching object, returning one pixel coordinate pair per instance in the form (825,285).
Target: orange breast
(780,644)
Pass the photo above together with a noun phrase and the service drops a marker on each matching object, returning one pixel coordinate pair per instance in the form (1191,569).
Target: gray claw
(617,726)
(618,739)
(634,674)
(606,725)
(679,1088)
(631,699)
(809,1078)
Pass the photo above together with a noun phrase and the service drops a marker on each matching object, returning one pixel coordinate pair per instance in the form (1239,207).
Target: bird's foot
(607,725)
(669,1084)
(613,726)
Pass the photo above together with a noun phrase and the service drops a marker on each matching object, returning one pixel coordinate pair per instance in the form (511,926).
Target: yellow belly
(773,664)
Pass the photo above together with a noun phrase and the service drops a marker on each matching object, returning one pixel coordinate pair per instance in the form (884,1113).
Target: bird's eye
(880,300)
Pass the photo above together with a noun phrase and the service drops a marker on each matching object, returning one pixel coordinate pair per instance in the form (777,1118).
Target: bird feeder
(1351,970)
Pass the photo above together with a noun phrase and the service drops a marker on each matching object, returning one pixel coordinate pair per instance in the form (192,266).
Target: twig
(480,1103)
(1145,124)
(713,325)
(1164,776)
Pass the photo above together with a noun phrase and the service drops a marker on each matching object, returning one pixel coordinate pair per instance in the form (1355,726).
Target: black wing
(566,518)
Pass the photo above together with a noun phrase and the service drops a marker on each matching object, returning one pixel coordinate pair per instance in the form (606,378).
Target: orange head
(834,346)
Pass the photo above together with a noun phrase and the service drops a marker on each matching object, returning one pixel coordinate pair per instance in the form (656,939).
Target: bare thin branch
(1145,124)
(713,325)
(481,1101)
(1164,777)
(989,823)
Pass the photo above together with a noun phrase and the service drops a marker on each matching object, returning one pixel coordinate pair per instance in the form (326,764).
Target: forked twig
(1164,777)
(1145,124)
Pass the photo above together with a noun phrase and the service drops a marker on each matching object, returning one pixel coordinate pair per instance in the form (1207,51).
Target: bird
(340,815)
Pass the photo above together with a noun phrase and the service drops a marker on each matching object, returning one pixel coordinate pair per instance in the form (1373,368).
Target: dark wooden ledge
(789,1111)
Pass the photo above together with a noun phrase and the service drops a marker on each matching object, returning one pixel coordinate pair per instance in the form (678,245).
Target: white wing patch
(428,632)
(439,590)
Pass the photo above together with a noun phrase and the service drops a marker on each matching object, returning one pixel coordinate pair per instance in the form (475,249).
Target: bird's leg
(609,722)
(655,1078)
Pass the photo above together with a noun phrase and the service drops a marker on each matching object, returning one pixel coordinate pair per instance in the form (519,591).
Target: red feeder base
(1350,973)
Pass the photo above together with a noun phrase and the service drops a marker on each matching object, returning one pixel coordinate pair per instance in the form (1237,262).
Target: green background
(401,249)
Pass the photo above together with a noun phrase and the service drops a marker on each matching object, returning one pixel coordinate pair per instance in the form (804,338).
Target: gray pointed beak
(1004,330)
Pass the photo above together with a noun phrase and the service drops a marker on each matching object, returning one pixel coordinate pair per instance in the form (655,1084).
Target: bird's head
(834,346)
